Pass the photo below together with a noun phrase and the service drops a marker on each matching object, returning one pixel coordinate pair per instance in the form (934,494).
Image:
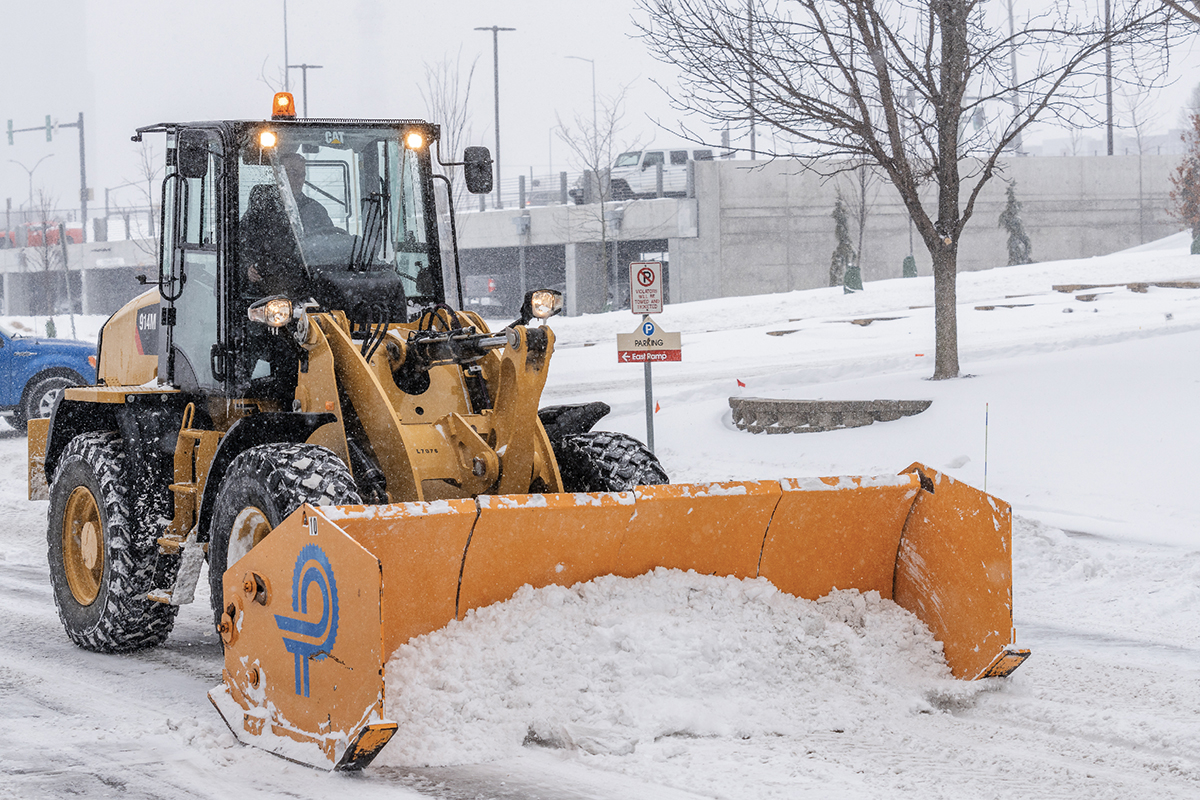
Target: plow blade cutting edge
(318,607)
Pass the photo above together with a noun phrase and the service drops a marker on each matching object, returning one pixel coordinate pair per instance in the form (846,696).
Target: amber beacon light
(284,106)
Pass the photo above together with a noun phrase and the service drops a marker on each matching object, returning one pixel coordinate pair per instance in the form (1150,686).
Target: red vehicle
(36,230)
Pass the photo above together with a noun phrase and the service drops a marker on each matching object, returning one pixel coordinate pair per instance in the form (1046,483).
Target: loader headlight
(267,139)
(273,311)
(413,140)
(546,303)
(539,304)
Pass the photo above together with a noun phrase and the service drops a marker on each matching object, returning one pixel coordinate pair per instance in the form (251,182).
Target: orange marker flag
(740,383)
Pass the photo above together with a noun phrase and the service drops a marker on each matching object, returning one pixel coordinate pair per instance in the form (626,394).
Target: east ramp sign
(649,343)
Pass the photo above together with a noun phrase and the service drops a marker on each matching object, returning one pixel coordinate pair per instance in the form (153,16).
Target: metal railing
(562,188)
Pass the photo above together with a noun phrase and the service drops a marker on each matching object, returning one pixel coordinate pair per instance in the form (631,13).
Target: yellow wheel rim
(83,546)
(249,528)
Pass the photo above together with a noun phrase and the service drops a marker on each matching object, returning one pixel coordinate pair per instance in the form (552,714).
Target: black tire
(600,461)
(40,397)
(102,562)
(262,487)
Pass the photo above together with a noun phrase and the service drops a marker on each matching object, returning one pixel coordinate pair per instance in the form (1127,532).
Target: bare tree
(43,255)
(274,82)
(1136,107)
(447,97)
(893,83)
(859,191)
(1188,8)
(1075,140)
(593,141)
(148,183)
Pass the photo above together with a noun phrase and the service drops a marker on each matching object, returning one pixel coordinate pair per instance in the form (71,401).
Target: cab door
(191,270)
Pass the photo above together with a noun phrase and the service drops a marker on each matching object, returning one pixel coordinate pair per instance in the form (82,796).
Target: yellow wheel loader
(299,403)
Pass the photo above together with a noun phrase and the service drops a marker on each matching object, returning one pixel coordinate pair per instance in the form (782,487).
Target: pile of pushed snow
(604,665)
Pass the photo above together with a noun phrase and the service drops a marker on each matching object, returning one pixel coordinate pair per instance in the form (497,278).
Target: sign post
(649,383)
(648,343)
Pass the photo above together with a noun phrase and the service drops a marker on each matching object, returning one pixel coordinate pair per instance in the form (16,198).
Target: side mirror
(477,169)
(192,158)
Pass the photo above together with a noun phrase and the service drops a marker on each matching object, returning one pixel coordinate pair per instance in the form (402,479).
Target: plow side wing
(954,571)
(407,569)
(303,671)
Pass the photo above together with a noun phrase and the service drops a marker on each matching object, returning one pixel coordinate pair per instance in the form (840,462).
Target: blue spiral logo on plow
(312,567)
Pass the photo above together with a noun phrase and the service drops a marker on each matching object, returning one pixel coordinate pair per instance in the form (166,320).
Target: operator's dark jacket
(268,244)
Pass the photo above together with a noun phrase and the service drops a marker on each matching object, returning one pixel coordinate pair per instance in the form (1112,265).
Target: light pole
(1108,78)
(113,189)
(595,123)
(304,68)
(1012,65)
(495,29)
(29,212)
(750,47)
(107,211)
(287,86)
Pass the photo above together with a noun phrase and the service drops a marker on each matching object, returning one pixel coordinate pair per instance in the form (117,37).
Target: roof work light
(413,140)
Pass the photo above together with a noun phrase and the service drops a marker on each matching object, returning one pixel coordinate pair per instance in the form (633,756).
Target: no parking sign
(645,287)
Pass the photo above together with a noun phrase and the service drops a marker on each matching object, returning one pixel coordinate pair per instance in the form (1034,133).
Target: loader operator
(272,263)
(269,250)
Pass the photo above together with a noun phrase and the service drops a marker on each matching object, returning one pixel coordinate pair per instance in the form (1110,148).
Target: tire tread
(129,620)
(600,461)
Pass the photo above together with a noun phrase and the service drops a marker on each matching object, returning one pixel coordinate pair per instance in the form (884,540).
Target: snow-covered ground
(676,686)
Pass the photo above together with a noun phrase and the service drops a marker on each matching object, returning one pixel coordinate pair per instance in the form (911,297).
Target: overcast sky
(126,63)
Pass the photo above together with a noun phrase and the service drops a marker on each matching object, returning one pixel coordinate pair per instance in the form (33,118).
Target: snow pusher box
(300,403)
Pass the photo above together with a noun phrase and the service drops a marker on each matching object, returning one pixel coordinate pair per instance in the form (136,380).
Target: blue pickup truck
(34,372)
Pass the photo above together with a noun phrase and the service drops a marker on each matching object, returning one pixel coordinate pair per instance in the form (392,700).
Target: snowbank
(609,664)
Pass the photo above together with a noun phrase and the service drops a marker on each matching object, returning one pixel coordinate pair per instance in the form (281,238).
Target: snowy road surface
(1092,436)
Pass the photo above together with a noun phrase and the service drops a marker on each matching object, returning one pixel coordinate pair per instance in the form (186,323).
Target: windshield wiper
(363,251)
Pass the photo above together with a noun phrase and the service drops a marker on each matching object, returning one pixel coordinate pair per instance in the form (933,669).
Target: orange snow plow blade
(315,611)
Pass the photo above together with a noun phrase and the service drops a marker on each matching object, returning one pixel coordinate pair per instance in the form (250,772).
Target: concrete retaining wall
(762,227)
(769,228)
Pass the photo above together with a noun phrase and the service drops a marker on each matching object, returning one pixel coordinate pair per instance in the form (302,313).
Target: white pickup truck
(635,173)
